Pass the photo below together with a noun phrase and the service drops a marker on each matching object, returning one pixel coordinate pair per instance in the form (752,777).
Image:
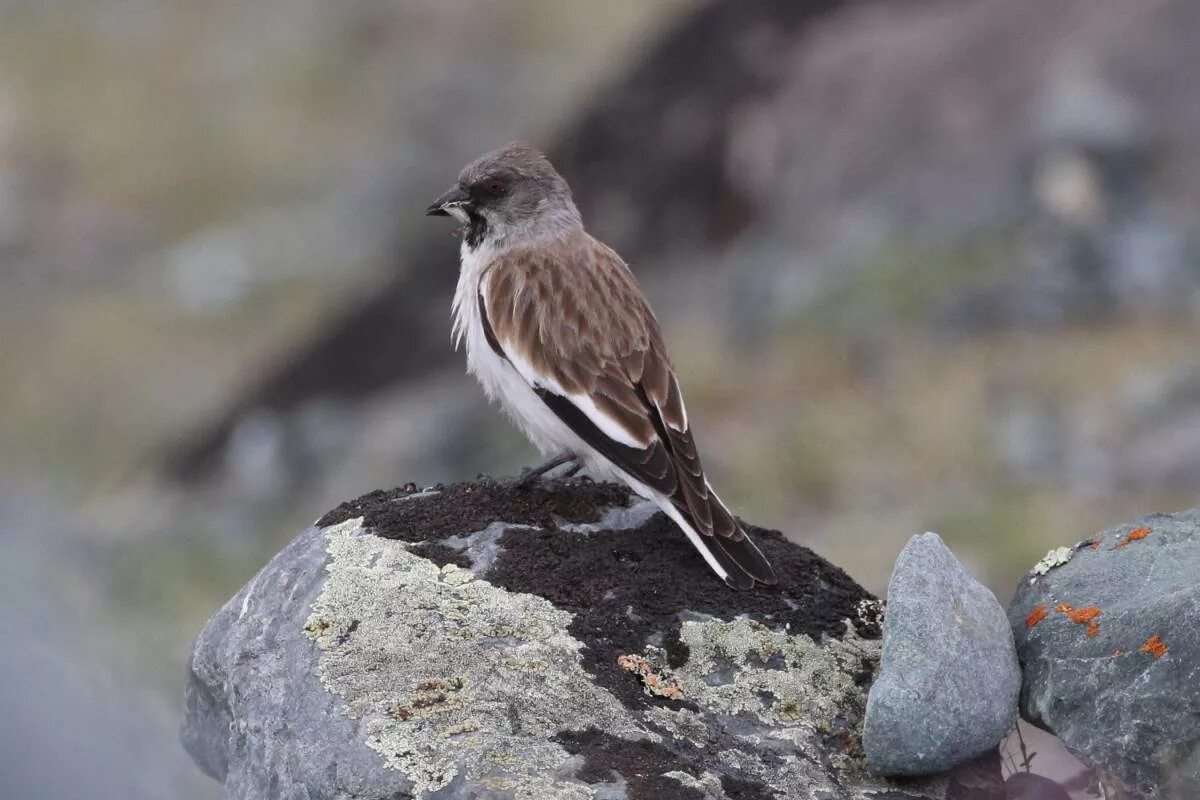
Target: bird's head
(507,196)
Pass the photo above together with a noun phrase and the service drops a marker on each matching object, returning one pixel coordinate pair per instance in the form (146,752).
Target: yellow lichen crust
(489,672)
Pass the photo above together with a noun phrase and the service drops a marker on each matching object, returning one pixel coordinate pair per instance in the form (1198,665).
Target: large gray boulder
(547,642)
(1108,633)
(948,685)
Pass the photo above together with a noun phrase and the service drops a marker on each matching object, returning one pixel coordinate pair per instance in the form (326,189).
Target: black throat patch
(475,230)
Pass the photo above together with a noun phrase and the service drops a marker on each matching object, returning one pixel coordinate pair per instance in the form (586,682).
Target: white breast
(500,380)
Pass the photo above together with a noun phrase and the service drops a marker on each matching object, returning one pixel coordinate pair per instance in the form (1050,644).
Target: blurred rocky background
(931,265)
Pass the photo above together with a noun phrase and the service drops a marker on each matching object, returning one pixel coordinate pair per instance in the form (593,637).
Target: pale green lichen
(1055,558)
(782,693)
(707,784)
(476,658)
(807,681)
(869,612)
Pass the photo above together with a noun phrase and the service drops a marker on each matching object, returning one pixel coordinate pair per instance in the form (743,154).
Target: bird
(560,335)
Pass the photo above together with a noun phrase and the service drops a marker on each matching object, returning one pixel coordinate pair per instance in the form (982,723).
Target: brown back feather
(575,312)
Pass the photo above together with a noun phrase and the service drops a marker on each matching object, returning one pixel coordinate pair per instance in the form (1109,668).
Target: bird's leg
(531,475)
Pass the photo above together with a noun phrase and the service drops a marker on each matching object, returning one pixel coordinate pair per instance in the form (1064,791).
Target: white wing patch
(607,425)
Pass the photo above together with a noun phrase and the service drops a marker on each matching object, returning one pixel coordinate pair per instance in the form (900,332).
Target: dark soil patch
(462,508)
(640,763)
(442,554)
(625,588)
(738,789)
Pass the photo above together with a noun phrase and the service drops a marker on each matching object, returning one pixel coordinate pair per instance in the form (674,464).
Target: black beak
(457,196)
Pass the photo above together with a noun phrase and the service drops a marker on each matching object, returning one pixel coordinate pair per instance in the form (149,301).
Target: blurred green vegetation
(902,284)
(860,452)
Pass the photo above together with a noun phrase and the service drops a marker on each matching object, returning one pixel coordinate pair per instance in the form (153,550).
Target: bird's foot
(529,476)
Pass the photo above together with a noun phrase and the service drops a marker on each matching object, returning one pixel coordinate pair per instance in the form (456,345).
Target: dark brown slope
(662,127)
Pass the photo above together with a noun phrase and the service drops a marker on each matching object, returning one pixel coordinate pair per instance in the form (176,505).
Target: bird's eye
(496,187)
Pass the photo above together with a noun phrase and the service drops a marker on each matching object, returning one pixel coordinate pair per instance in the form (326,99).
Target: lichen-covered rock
(1109,641)
(947,688)
(546,642)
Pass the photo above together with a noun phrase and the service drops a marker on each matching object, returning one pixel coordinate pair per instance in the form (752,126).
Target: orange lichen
(1133,536)
(1081,616)
(632,663)
(1154,646)
(1035,616)
(1118,652)
(654,683)
(1094,543)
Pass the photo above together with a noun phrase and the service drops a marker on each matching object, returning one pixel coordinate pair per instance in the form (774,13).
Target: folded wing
(582,335)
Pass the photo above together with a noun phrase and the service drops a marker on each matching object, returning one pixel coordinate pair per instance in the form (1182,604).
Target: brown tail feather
(748,558)
(735,552)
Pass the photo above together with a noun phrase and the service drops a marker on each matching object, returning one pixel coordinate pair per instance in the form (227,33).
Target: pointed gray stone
(949,679)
